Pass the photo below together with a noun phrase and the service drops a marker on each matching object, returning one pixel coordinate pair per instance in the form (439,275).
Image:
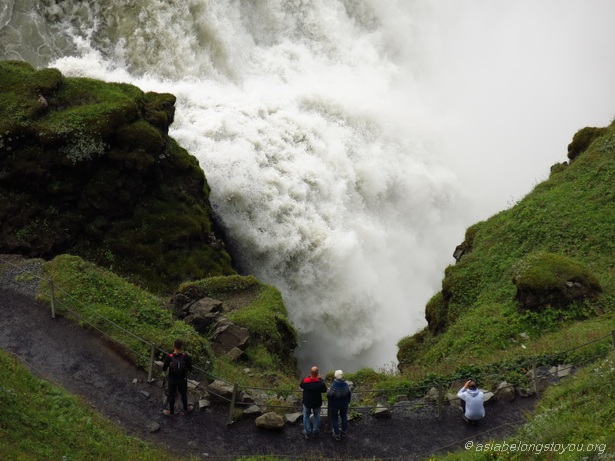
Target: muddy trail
(86,365)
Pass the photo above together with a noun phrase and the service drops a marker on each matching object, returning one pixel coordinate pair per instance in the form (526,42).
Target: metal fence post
(232,407)
(53,300)
(150,374)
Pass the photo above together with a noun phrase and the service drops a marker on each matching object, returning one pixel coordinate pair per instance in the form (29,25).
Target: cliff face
(88,168)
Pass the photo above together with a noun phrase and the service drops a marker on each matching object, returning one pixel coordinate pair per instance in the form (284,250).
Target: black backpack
(178,363)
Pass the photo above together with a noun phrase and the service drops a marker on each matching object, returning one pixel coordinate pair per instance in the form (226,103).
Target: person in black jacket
(339,395)
(179,364)
(313,387)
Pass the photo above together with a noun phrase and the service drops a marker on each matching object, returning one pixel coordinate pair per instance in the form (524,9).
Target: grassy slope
(572,214)
(42,421)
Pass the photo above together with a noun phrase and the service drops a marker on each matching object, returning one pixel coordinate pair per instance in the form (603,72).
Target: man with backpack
(178,363)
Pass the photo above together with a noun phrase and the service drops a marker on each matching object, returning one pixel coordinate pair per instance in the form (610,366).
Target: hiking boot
(306,435)
(344,434)
(167,412)
(189,409)
(315,435)
(336,436)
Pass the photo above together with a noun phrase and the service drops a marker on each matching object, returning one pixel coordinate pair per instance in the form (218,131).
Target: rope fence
(364,400)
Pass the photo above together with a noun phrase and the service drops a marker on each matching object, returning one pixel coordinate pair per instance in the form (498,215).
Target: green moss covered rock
(88,168)
(253,305)
(582,139)
(552,280)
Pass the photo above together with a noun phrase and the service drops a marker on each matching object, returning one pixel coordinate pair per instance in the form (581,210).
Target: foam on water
(333,135)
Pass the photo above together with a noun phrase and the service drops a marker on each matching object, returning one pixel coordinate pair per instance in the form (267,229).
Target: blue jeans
(342,413)
(311,427)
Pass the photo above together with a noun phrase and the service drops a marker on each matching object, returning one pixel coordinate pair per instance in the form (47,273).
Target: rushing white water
(347,142)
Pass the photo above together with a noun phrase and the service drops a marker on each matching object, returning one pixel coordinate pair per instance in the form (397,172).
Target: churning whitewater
(312,144)
(319,128)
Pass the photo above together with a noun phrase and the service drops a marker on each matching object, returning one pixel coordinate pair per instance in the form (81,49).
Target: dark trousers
(181,386)
(338,413)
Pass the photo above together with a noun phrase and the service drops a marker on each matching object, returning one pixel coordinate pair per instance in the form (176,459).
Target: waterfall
(334,133)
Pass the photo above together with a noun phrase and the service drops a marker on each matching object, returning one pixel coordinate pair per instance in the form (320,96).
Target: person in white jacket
(474,399)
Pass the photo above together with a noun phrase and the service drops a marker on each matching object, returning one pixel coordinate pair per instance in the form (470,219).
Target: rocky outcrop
(240,316)
(228,337)
(582,140)
(88,168)
(547,280)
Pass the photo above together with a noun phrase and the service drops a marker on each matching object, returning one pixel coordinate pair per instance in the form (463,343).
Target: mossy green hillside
(42,421)
(561,232)
(137,317)
(87,167)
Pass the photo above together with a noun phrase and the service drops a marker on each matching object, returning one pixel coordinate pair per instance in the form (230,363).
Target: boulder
(252,411)
(270,421)
(229,336)
(292,418)
(505,392)
(202,314)
(382,412)
(432,395)
(236,354)
(220,391)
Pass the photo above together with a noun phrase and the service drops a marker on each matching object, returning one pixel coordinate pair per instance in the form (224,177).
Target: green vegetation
(574,420)
(96,294)
(87,168)
(259,308)
(532,282)
(560,233)
(96,297)
(41,421)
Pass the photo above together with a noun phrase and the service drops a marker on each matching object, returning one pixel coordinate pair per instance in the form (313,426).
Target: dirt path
(68,355)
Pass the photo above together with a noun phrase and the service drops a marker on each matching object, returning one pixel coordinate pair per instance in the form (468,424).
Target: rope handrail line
(277,390)
(102,316)
(587,343)
(84,319)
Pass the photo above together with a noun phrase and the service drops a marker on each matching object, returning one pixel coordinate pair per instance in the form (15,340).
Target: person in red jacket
(313,387)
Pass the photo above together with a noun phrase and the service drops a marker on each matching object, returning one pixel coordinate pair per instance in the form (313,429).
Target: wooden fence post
(535,377)
(232,407)
(440,399)
(150,374)
(53,300)
(613,338)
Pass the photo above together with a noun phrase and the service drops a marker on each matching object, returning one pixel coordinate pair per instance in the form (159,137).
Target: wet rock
(270,421)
